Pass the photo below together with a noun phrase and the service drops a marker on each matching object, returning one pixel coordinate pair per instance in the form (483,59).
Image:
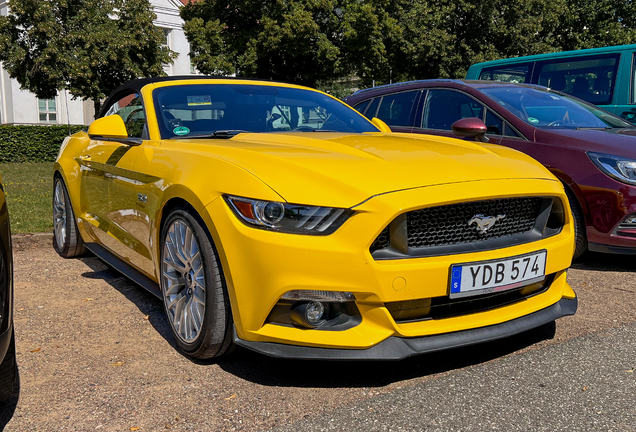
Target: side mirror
(381,125)
(470,127)
(111,126)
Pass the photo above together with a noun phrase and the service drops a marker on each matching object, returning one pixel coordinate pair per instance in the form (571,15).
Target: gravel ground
(95,353)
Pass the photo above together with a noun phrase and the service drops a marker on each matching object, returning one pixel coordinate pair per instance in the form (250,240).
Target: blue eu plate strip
(456,280)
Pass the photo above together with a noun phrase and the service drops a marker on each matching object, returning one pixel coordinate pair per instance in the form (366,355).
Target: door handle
(85,158)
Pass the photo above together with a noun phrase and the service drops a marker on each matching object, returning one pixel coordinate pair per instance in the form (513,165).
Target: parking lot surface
(95,352)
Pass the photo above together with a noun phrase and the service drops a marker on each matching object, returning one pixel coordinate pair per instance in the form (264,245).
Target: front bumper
(398,348)
(260,266)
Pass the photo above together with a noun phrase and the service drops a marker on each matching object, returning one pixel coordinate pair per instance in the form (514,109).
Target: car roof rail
(410,82)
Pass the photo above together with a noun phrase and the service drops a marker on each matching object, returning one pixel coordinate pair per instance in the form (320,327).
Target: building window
(47,109)
(166,37)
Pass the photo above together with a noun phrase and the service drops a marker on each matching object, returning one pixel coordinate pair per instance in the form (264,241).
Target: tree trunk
(97,104)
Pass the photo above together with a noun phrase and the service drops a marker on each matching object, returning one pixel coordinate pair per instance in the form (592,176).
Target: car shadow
(596,261)
(146,302)
(268,371)
(8,407)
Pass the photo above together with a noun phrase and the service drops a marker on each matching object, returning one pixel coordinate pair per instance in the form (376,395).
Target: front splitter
(398,348)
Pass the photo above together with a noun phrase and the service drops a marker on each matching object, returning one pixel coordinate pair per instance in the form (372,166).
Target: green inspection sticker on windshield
(181,130)
(533,120)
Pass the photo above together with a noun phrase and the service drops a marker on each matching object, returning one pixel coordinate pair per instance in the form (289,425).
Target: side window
(285,118)
(516,73)
(397,109)
(129,108)
(362,106)
(444,107)
(493,123)
(373,108)
(591,78)
(510,132)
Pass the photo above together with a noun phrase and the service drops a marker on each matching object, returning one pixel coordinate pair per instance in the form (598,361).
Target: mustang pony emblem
(484,223)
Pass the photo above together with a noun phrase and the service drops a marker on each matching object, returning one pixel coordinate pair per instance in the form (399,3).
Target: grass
(29,191)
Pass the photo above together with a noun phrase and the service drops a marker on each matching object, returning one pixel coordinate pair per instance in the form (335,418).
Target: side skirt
(118,264)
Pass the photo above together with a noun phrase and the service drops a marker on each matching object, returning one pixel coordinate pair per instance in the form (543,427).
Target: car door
(109,185)
(626,88)
(440,108)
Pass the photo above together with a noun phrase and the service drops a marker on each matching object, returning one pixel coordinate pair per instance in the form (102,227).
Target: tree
(282,40)
(88,47)
(441,39)
(299,41)
(322,41)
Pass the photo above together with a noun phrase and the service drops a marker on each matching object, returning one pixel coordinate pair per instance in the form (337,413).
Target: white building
(22,107)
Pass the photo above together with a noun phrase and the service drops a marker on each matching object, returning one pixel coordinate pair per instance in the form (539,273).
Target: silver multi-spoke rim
(59,214)
(183,281)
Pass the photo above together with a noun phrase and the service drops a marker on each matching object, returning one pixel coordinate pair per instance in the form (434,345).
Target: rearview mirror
(111,126)
(470,127)
(381,125)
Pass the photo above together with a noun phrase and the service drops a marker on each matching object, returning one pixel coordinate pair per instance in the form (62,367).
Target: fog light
(310,314)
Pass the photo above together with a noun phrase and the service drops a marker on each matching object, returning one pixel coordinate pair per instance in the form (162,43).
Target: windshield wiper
(228,133)
(219,134)
(594,128)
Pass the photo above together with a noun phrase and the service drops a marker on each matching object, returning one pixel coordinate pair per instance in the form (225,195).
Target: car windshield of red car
(543,108)
(223,110)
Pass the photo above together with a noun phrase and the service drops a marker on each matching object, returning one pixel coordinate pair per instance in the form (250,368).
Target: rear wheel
(579,224)
(8,372)
(66,239)
(193,288)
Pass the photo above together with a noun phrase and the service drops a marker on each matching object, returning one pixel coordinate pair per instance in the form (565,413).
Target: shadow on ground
(595,261)
(146,302)
(7,408)
(269,371)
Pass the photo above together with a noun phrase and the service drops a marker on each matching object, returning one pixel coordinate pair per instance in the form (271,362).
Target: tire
(8,372)
(66,237)
(579,225)
(193,288)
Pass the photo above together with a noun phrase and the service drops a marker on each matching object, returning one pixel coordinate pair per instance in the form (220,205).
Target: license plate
(484,277)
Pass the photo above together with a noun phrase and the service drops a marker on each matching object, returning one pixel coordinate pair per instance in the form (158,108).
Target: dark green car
(8,367)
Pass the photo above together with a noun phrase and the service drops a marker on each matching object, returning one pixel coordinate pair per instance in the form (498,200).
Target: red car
(590,150)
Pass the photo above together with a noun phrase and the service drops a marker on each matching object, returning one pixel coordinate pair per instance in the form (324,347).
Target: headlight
(288,218)
(618,167)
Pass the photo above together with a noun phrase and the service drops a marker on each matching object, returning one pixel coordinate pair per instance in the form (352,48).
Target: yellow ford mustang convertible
(277,218)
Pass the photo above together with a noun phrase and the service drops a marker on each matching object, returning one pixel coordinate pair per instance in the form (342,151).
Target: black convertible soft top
(135,86)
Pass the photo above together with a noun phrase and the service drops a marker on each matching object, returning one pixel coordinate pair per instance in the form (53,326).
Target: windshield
(222,110)
(547,109)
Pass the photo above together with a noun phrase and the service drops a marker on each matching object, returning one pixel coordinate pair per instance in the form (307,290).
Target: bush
(32,143)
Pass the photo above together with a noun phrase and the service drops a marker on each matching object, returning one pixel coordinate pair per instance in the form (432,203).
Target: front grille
(448,225)
(445,307)
(381,241)
(453,228)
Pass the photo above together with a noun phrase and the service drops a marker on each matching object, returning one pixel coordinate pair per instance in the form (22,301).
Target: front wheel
(8,372)
(66,237)
(193,288)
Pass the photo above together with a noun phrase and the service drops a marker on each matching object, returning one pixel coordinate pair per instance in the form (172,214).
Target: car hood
(620,142)
(336,169)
